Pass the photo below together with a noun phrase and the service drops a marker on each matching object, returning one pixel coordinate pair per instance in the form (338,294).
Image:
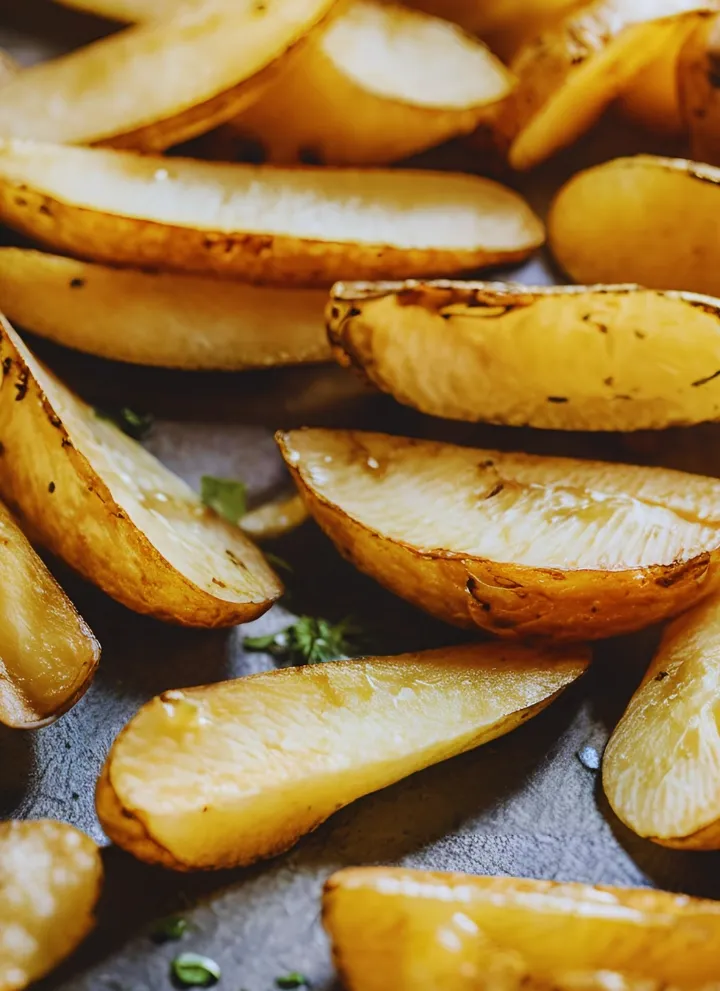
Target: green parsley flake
(227,497)
(191,970)
(307,641)
(134,424)
(169,930)
(287,982)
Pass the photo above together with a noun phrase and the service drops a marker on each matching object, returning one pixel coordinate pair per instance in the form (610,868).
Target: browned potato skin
(511,600)
(127,831)
(698,78)
(259,258)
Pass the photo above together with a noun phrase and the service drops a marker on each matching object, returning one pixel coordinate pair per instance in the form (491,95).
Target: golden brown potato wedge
(48,654)
(515,544)
(155,318)
(260,224)
(559,357)
(650,220)
(103,503)
(652,98)
(379,84)
(231,773)
(661,769)
(156,85)
(570,74)
(275,518)
(384,920)
(50,879)
(699,84)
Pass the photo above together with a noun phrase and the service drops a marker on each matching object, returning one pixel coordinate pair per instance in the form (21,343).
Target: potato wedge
(515,544)
(113,512)
(569,75)
(50,879)
(559,357)
(652,99)
(129,11)
(48,654)
(699,82)
(260,224)
(380,920)
(647,219)
(379,84)
(143,87)
(154,318)
(234,772)
(275,518)
(661,770)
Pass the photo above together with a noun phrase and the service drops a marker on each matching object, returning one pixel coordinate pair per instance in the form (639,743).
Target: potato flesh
(373,915)
(128,10)
(381,83)
(159,318)
(601,358)
(238,771)
(275,518)
(47,652)
(648,219)
(145,87)
(50,876)
(661,769)
(699,97)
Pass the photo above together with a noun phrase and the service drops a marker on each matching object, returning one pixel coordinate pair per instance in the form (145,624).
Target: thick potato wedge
(379,84)
(515,544)
(234,772)
(650,220)
(569,75)
(48,654)
(113,512)
(560,357)
(154,318)
(156,85)
(652,98)
(50,879)
(661,769)
(699,84)
(260,224)
(382,920)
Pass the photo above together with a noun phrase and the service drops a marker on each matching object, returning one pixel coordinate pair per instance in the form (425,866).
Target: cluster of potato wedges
(293,237)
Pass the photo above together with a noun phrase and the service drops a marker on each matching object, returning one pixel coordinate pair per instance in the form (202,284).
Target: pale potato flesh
(156,318)
(651,220)
(230,773)
(661,769)
(566,357)
(275,518)
(128,10)
(48,654)
(515,544)
(383,920)
(103,503)
(699,92)
(287,226)
(570,74)
(381,83)
(155,85)
(50,879)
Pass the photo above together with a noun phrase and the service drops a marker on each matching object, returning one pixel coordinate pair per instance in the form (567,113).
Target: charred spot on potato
(77,283)
(354,311)
(216,581)
(708,378)
(6,365)
(55,421)
(51,487)
(66,442)
(558,399)
(640,335)
(45,210)
(495,490)
(487,464)
(235,559)
(20,201)
(21,386)
(661,676)
(609,381)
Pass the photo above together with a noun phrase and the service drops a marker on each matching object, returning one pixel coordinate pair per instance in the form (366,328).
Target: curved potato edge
(640,596)
(34,720)
(207,611)
(705,838)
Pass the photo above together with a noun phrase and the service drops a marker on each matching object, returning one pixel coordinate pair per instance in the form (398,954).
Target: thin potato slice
(570,74)
(50,879)
(381,918)
(154,318)
(647,219)
(48,654)
(699,83)
(661,769)
(156,85)
(128,10)
(275,518)
(260,224)
(113,512)
(563,357)
(515,544)
(652,99)
(381,83)
(230,773)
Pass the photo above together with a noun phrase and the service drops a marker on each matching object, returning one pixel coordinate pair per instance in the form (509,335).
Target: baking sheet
(523,805)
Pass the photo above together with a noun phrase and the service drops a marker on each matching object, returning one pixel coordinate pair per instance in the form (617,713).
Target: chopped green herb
(169,930)
(191,970)
(279,562)
(287,982)
(307,641)
(135,425)
(227,497)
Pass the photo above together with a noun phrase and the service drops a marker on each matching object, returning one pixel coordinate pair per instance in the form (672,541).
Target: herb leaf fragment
(169,930)
(288,982)
(307,641)
(227,496)
(191,970)
(134,424)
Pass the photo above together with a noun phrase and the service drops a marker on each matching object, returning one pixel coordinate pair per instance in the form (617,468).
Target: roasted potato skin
(514,600)
(699,96)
